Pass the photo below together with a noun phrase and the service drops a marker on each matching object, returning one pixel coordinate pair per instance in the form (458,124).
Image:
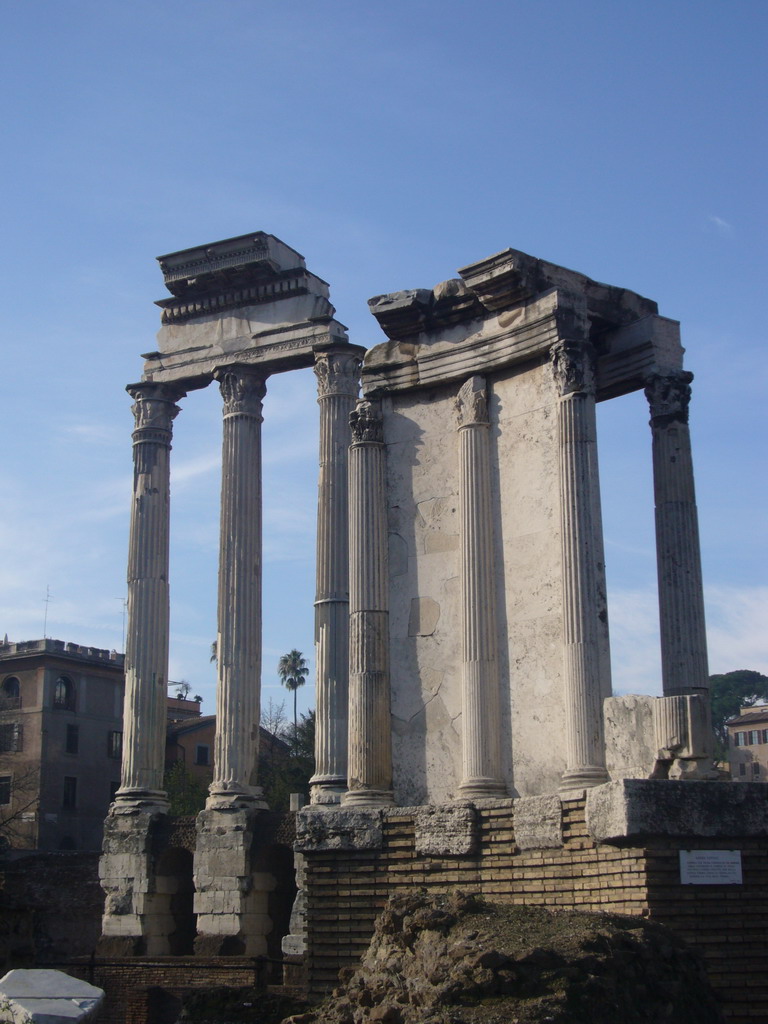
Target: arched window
(64,694)
(11,693)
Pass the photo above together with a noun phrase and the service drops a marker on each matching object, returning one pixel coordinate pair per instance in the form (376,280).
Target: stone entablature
(247,301)
(510,309)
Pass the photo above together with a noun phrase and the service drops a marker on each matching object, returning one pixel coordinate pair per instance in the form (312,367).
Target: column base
(327,789)
(368,798)
(576,780)
(482,789)
(140,801)
(222,797)
(693,769)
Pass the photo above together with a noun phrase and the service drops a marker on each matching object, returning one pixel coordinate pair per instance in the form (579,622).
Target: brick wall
(143,990)
(728,924)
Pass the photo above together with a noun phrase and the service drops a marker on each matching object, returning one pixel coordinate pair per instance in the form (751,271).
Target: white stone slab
(48,997)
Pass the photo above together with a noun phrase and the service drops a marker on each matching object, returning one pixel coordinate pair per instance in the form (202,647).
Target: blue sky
(390,144)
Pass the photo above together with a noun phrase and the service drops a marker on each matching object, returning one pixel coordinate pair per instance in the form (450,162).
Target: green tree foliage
(186,794)
(729,692)
(288,763)
(293,671)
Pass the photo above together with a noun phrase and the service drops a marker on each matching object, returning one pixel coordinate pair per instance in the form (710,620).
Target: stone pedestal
(338,372)
(239,629)
(681,596)
(231,900)
(146,658)
(370,738)
(586,666)
(481,713)
(137,920)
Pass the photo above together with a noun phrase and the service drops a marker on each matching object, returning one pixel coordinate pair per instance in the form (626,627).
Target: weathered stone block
(318,828)
(631,808)
(538,822)
(449,830)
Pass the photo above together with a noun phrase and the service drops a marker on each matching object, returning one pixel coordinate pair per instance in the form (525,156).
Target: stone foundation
(635,873)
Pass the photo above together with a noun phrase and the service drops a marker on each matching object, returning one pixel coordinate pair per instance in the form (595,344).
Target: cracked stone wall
(425,600)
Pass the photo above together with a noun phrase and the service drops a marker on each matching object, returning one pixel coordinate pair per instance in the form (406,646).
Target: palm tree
(293,671)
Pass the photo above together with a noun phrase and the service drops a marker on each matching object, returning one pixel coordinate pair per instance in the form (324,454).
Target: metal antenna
(124,602)
(47,599)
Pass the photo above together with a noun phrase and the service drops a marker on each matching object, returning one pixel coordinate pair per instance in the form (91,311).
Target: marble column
(238,642)
(146,657)
(681,595)
(586,667)
(338,375)
(481,715)
(370,737)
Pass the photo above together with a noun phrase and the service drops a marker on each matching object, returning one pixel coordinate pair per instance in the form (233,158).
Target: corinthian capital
(471,403)
(338,373)
(242,391)
(573,366)
(668,397)
(366,422)
(154,406)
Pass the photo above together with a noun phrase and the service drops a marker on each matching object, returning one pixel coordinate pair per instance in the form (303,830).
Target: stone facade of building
(61,730)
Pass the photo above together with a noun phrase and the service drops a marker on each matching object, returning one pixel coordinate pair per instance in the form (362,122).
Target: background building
(61,732)
(748,744)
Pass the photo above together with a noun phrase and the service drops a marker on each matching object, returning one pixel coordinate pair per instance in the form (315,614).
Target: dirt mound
(457,960)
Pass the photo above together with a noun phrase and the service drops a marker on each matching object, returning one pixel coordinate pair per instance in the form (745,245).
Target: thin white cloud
(722,225)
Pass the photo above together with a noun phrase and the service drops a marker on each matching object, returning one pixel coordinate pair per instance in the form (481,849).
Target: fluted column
(146,656)
(338,374)
(586,667)
(681,595)
(370,739)
(481,719)
(239,616)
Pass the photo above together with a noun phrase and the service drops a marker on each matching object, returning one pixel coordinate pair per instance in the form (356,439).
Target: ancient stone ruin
(466,730)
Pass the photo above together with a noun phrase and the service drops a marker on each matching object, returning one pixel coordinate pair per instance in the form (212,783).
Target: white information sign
(710,867)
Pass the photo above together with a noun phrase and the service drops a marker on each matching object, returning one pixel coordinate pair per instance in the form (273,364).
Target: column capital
(154,410)
(573,366)
(242,390)
(366,423)
(337,372)
(669,395)
(471,403)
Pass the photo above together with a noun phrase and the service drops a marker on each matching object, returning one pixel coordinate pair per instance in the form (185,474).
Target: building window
(5,789)
(11,693)
(755,768)
(742,769)
(70,792)
(765,735)
(754,736)
(741,739)
(64,694)
(202,754)
(115,745)
(11,738)
(73,739)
